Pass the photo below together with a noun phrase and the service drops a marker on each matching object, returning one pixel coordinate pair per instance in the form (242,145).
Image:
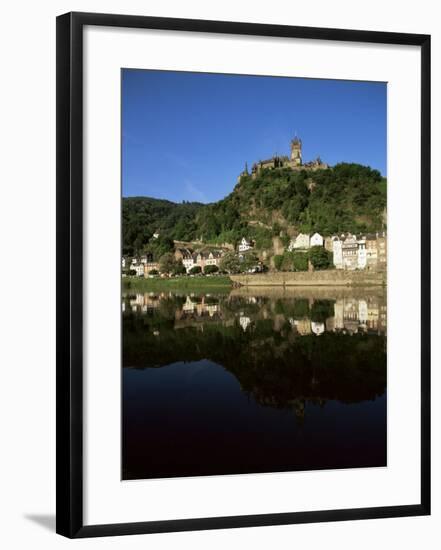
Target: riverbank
(195,284)
(314,279)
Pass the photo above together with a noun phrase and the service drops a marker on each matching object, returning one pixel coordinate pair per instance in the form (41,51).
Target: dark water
(257,381)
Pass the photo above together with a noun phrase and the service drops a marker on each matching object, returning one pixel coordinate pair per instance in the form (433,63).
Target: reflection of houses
(244,322)
(200,307)
(362,311)
(317,328)
(144,302)
(303,326)
(330,324)
(373,314)
(351,315)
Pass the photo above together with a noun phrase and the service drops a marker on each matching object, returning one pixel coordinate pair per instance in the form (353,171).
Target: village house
(139,269)
(328,243)
(186,256)
(371,251)
(207,257)
(245,245)
(316,240)
(361,253)
(213,258)
(381,251)
(301,242)
(149,267)
(350,252)
(337,253)
(123,263)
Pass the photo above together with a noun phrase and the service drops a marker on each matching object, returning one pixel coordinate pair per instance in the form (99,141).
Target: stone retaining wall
(332,277)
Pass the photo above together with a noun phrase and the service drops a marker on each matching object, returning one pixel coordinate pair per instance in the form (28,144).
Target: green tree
(230,263)
(249,261)
(167,263)
(179,268)
(320,257)
(300,261)
(210,269)
(195,270)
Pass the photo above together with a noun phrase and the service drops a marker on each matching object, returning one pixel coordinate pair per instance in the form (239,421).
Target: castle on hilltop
(294,161)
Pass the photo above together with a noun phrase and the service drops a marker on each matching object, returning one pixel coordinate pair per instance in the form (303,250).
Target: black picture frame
(69,292)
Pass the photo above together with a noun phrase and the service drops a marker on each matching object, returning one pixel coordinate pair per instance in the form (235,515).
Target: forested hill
(142,216)
(346,197)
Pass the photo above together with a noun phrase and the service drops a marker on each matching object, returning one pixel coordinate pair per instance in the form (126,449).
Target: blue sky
(187,136)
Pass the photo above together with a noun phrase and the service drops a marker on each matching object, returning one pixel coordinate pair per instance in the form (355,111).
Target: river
(253,380)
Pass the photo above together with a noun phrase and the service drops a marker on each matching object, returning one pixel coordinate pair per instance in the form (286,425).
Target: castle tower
(296,151)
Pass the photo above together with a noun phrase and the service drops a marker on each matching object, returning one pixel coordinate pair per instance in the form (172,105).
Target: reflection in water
(254,381)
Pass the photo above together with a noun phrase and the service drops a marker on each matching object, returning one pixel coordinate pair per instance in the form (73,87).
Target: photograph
(254,262)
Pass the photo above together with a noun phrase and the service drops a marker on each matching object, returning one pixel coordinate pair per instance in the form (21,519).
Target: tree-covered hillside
(142,216)
(346,197)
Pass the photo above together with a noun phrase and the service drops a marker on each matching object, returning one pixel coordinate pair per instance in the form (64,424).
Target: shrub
(230,263)
(167,263)
(179,269)
(320,257)
(195,270)
(154,272)
(278,261)
(210,269)
(300,261)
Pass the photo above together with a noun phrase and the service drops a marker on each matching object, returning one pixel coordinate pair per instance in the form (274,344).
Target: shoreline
(328,278)
(277,280)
